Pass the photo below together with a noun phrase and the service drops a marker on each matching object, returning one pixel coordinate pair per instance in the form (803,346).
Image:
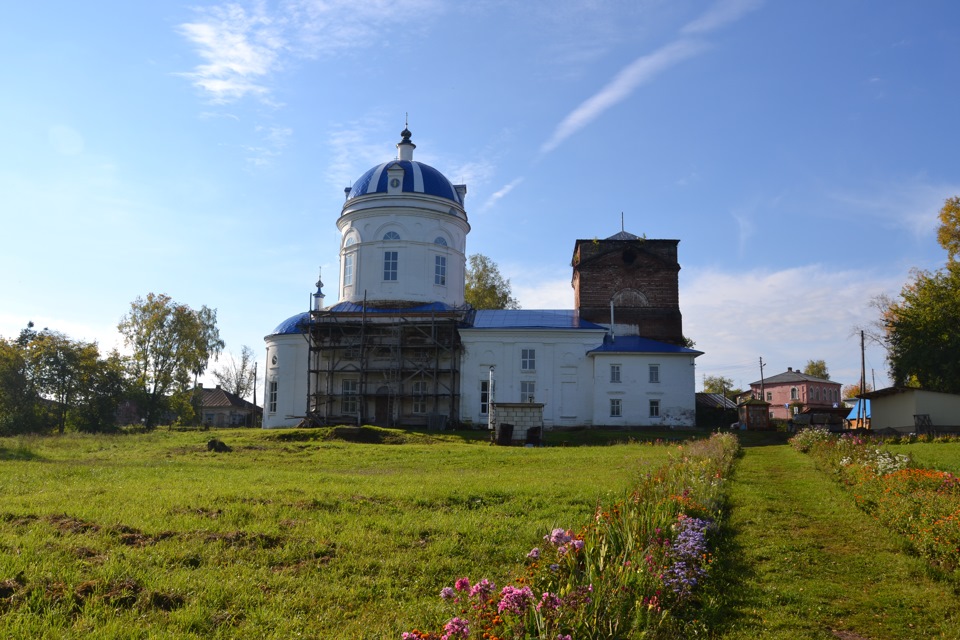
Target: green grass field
(288,535)
(293,534)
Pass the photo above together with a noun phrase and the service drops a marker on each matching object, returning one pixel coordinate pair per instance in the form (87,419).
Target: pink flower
(514,600)
(534,553)
(456,628)
(483,588)
(549,601)
(463,584)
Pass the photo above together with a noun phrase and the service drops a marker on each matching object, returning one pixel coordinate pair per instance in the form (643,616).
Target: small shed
(516,422)
(754,414)
(859,416)
(910,410)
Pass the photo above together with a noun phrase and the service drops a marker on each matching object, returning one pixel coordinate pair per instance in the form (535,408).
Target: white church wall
(561,377)
(671,388)
(287,357)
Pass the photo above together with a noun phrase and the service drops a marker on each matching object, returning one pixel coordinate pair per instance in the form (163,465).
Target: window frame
(350,396)
(616,408)
(348,270)
(391,265)
(528,359)
(528,390)
(653,371)
(440,270)
(485,397)
(654,406)
(273,390)
(419,392)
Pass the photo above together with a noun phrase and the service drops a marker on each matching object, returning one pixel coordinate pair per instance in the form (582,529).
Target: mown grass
(799,560)
(292,534)
(942,456)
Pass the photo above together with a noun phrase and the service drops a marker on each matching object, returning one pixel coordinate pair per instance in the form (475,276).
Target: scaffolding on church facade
(389,367)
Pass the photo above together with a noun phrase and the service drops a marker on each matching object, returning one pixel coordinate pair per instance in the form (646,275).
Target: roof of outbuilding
(220,398)
(638,344)
(792,376)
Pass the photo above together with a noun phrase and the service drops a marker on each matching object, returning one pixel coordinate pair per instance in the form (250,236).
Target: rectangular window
(349,403)
(390,260)
(614,373)
(654,373)
(484,397)
(440,270)
(348,270)
(272,397)
(528,390)
(654,408)
(769,396)
(616,409)
(528,359)
(419,399)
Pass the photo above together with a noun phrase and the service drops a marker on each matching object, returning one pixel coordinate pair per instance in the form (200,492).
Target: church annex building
(402,348)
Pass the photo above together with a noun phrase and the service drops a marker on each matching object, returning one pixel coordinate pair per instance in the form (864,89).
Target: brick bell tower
(640,277)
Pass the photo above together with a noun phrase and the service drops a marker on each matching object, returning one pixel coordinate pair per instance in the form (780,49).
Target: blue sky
(800,151)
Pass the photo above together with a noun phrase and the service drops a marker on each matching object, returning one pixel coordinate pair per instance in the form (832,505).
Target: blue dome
(417,178)
(292,325)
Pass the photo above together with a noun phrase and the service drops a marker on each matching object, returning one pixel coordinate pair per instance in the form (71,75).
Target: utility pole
(763,394)
(861,407)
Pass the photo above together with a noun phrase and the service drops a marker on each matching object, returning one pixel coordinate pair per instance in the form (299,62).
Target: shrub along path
(801,561)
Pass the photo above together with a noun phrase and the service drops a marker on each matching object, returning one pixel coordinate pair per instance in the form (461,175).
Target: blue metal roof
(530,319)
(354,307)
(637,344)
(293,324)
(854,412)
(417,178)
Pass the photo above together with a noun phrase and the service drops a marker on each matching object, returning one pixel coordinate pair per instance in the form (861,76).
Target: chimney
(789,369)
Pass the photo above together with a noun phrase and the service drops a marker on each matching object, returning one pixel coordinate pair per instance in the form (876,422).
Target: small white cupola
(318,296)
(405,147)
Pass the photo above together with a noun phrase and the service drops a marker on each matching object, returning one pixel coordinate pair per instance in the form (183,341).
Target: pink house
(794,392)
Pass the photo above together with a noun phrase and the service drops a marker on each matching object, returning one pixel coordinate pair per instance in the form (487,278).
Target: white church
(401,347)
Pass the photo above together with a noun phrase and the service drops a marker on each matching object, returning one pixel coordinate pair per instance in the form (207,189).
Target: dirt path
(805,563)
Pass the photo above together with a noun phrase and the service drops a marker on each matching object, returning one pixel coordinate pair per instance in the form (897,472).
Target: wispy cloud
(647,67)
(273,140)
(500,193)
(641,70)
(244,46)
(911,206)
(720,15)
(240,48)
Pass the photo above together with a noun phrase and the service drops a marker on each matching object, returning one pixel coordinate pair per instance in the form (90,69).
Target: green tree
(817,369)
(170,342)
(19,401)
(61,370)
(923,331)
(720,384)
(104,387)
(485,287)
(948,233)
(236,375)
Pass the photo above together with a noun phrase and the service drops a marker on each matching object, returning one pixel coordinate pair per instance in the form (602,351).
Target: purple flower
(534,553)
(558,537)
(564,637)
(447,593)
(463,584)
(514,600)
(578,544)
(554,567)
(483,588)
(456,628)
(549,601)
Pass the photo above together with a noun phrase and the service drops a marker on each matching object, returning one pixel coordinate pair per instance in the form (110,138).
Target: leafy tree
(817,369)
(170,342)
(720,384)
(948,233)
(104,387)
(62,368)
(19,406)
(853,390)
(923,331)
(485,287)
(236,376)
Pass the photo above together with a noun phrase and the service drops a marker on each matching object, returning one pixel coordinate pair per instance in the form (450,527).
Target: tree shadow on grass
(19,453)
